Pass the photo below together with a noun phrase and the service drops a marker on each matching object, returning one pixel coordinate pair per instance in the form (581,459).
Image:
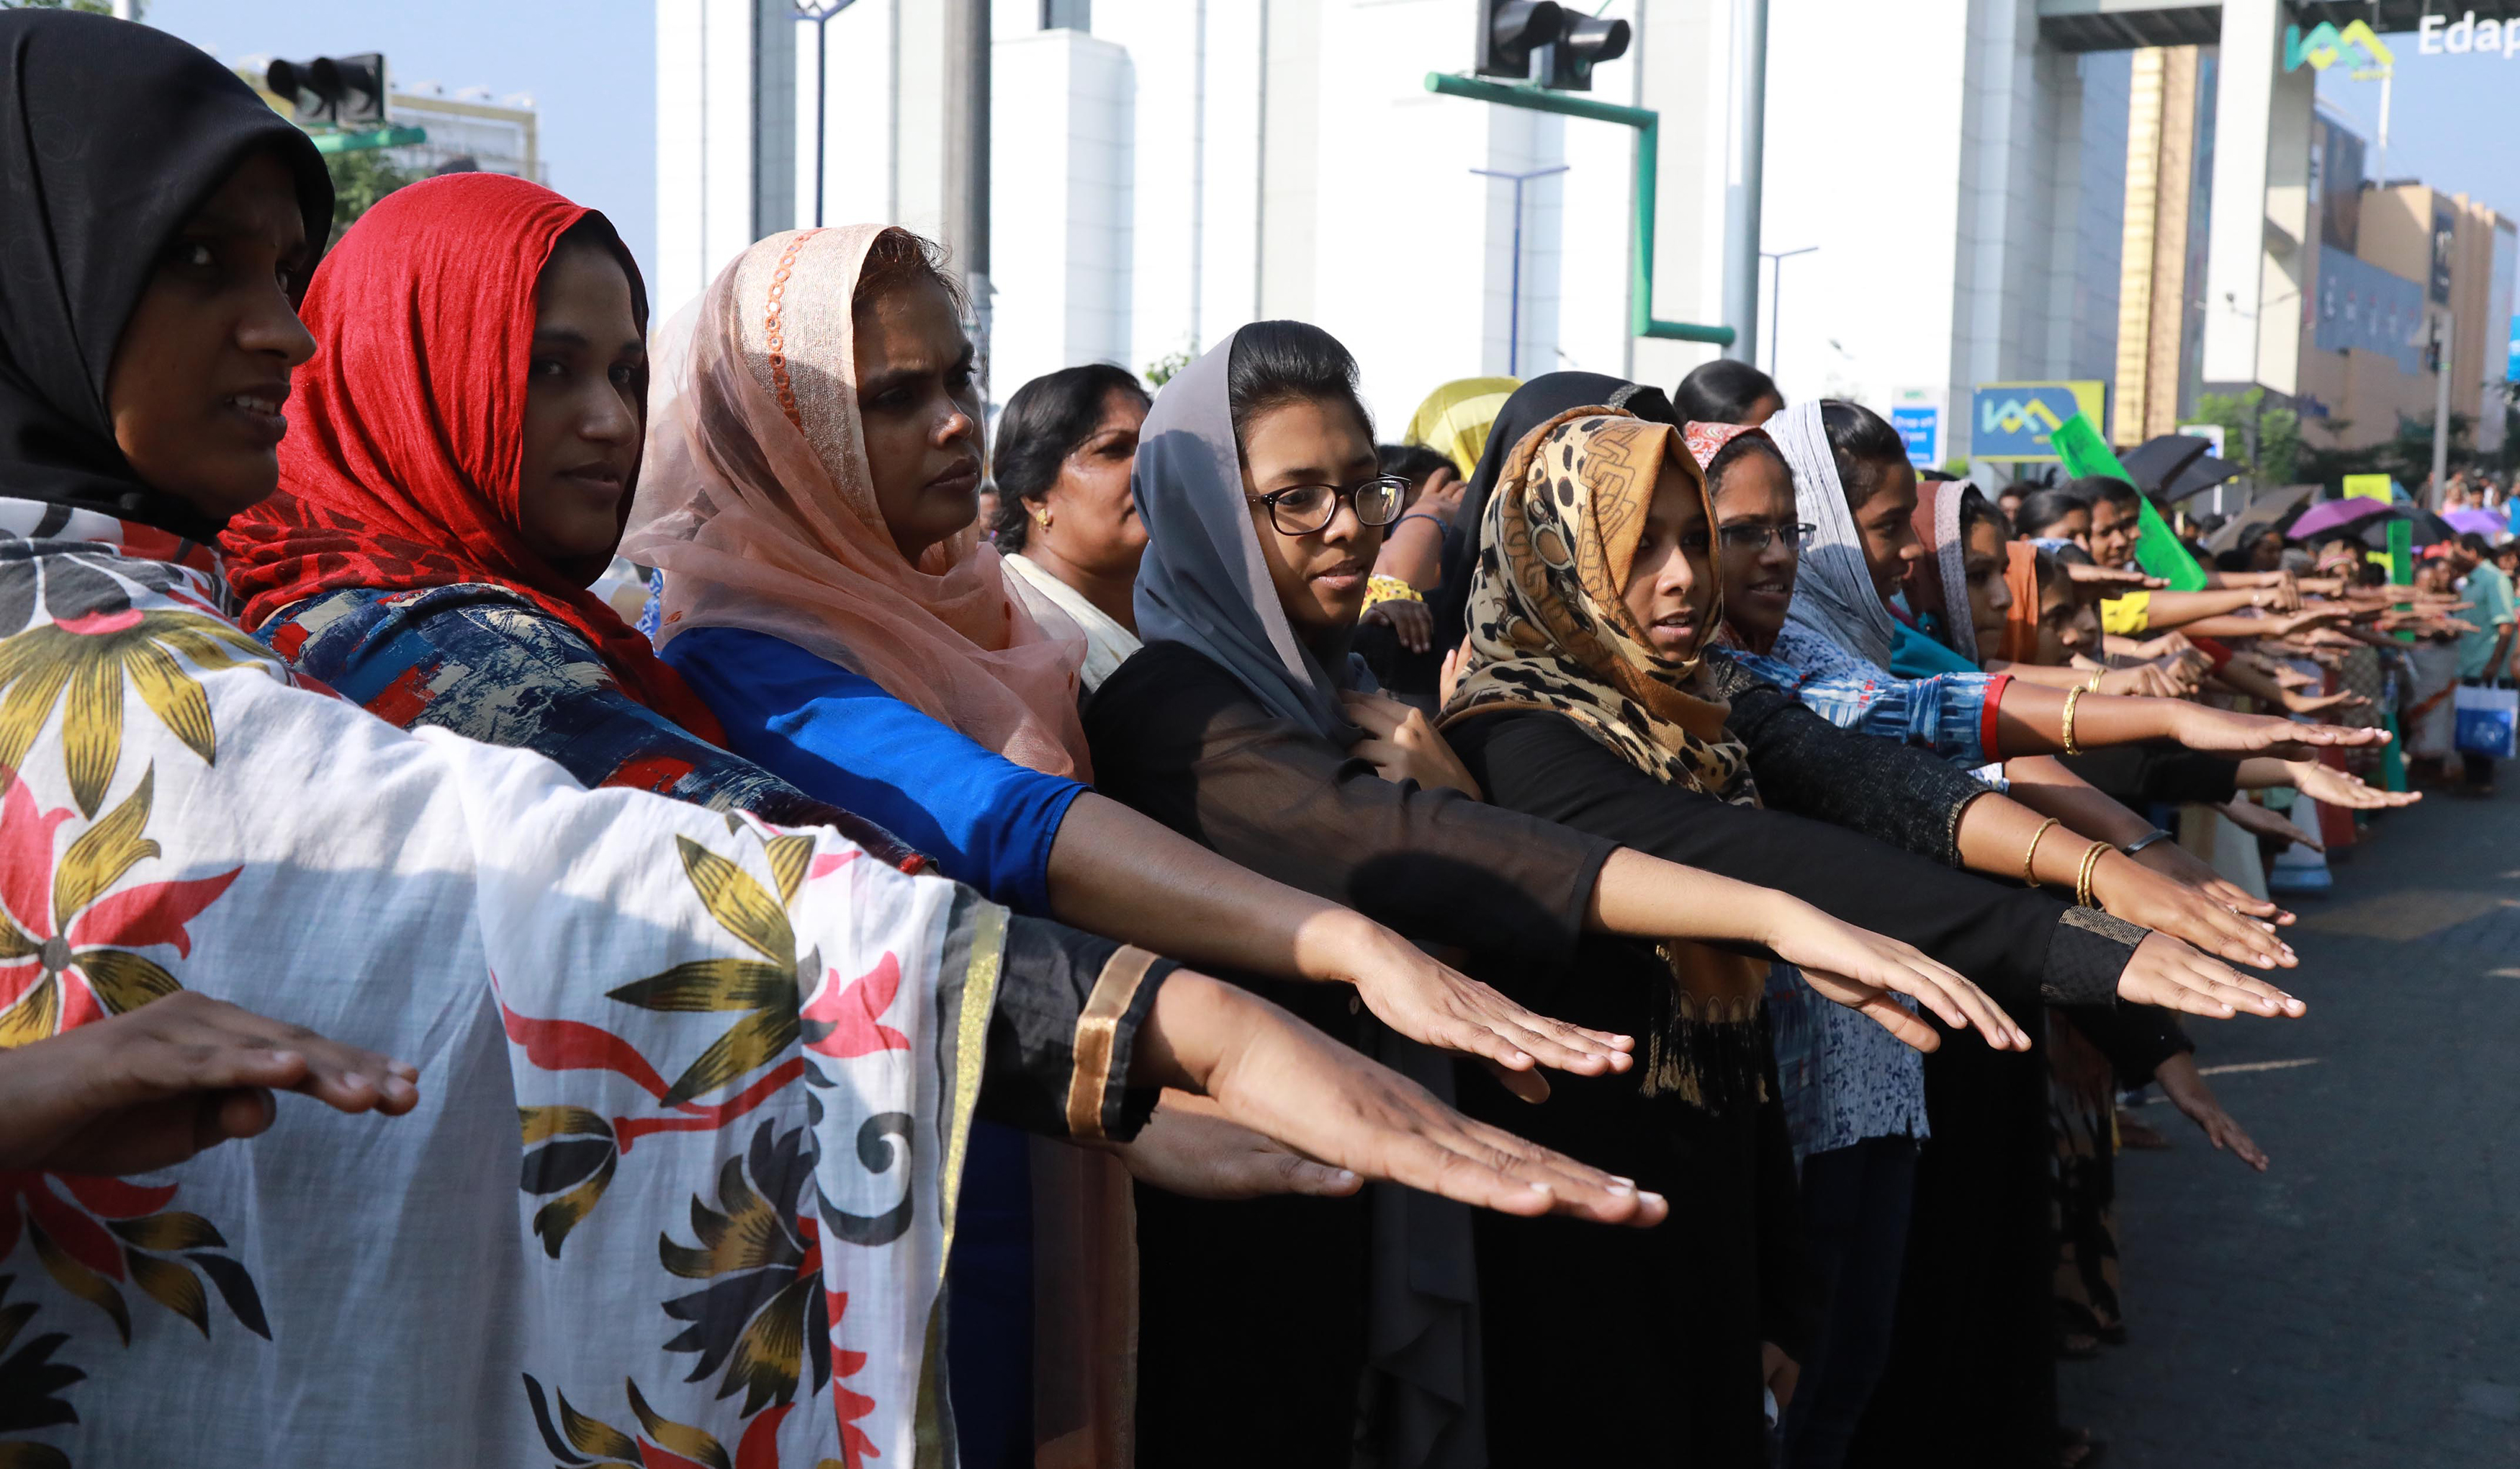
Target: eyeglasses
(1302,508)
(1754,537)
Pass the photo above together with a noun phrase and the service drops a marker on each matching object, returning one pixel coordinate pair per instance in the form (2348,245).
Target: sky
(589,64)
(2451,119)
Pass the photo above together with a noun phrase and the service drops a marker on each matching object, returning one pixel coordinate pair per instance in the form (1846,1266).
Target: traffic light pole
(1641,321)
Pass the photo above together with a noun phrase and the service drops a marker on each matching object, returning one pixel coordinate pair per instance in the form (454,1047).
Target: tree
(361,177)
(1161,370)
(84,7)
(2264,443)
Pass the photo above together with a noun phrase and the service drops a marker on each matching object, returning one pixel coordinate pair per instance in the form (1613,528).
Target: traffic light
(1583,44)
(336,91)
(1510,30)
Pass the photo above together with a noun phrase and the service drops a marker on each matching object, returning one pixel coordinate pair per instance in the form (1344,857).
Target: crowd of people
(1612,931)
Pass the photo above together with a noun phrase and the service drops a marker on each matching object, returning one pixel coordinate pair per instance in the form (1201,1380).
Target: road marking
(2241,1066)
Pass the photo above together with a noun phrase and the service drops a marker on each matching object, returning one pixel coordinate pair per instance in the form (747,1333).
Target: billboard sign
(2010,423)
(1917,414)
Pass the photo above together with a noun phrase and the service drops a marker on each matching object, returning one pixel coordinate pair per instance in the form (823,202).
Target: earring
(1041,517)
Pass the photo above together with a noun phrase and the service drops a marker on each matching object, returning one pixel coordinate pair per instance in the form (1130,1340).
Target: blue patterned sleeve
(489,664)
(1946,713)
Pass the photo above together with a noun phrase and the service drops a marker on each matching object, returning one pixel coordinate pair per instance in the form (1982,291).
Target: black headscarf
(112,134)
(1533,404)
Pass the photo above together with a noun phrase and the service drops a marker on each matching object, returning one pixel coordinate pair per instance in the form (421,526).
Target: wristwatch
(2145,841)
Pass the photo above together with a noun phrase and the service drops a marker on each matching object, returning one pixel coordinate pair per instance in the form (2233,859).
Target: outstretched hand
(2167,973)
(2180,865)
(2324,782)
(1435,1004)
(1401,745)
(2184,1085)
(1191,1148)
(153,1086)
(1860,969)
(1272,1073)
(2131,891)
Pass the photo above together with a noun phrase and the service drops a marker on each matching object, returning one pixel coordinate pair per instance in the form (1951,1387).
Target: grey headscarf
(1202,580)
(1835,597)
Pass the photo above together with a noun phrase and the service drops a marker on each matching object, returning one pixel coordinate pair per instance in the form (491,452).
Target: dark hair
(1041,425)
(2094,488)
(2475,545)
(2048,569)
(2042,508)
(898,256)
(1274,363)
(1413,462)
(1977,510)
(1864,447)
(2073,556)
(2232,561)
(595,232)
(1743,446)
(1722,391)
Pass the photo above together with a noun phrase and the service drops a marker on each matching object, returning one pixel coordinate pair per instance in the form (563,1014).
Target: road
(2359,1305)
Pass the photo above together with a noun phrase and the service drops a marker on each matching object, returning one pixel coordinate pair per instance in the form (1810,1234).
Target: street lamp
(1776,296)
(1514,308)
(820,12)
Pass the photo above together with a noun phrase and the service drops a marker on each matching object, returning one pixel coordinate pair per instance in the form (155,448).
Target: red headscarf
(407,430)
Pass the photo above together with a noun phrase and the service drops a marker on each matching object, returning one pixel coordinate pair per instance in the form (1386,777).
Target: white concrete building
(1164,170)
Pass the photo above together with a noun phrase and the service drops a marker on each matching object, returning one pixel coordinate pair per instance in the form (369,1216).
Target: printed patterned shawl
(1548,629)
(744,1062)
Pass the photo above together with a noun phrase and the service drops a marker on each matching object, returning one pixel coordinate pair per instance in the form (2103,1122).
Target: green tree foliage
(1161,370)
(361,177)
(2264,443)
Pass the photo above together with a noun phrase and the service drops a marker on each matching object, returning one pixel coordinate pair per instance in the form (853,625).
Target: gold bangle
(2091,686)
(2071,695)
(2083,879)
(2027,856)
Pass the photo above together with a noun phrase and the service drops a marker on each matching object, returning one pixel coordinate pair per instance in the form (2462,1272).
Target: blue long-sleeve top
(837,736)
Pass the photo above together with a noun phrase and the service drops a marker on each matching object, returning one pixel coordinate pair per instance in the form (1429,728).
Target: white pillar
(2235,251)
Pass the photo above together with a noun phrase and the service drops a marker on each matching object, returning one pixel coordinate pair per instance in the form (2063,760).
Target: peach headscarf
(757,502)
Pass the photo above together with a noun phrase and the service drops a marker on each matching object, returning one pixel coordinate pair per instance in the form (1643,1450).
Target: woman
(1066,527)
(1395,637)
(2056,515)
(1231,724)
(508,485)
(1587,698)
(485,905)
(1727,391)
(459,476)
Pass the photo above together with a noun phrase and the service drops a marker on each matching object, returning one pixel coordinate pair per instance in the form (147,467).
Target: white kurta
(743,1061)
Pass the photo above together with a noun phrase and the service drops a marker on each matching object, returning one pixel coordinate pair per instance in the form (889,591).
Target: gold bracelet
(2091,686)
(2083,879)
(2071,695)
(2033,853)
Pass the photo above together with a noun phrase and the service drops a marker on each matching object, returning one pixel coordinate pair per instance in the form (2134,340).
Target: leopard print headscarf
(1550,630)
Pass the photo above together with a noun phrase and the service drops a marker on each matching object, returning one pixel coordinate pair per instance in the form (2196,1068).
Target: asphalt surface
(2358,1304)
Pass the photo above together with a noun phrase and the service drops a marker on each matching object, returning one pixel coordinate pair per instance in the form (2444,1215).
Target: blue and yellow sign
(2010,422)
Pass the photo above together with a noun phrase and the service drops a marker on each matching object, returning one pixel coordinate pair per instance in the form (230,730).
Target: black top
(1177,737)
(2139,776)
(112,134)
(2014,943)
(1046,974)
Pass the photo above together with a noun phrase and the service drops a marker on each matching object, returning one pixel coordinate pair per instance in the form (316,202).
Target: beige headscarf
(756,500)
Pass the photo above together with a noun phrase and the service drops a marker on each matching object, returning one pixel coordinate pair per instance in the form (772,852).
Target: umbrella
(2430,529)
(2201,474)
(2154,462)
(2268,509)
(2483,523)
(2334,515)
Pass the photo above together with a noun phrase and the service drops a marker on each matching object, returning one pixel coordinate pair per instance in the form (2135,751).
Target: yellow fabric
(1379,588)
(2127,616)
(1454,419)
